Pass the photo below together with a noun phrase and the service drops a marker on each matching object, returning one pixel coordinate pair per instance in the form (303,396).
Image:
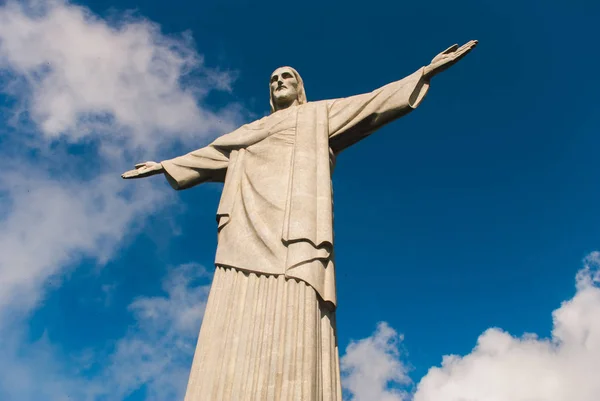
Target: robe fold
(268,333)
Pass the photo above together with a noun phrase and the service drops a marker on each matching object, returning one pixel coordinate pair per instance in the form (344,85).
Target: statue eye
(274,78)
(286,75)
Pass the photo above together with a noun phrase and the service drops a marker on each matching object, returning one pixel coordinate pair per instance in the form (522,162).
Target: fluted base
(264,338)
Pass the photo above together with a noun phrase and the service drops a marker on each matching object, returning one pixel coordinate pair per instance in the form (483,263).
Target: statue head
(287,88)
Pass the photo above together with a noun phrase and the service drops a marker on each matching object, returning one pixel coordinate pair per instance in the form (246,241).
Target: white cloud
(372,366)
(52,223)
(157,353)
(502,367)
(35,372)
(77,75)
(154,355)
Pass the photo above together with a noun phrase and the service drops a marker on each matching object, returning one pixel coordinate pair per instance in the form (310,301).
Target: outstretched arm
(208,164)
(203,165)
(353,118)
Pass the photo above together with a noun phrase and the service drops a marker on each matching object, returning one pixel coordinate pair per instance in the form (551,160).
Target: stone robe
(275,216)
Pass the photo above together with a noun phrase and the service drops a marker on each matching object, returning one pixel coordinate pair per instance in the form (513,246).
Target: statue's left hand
(143,170)
(448,58)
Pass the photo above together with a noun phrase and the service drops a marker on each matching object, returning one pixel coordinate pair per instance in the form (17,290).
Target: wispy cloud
(76,75)
(154,356)
(52,223)
(157,353)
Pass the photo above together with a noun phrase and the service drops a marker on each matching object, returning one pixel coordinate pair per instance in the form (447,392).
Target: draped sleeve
(208,164)
(354,118)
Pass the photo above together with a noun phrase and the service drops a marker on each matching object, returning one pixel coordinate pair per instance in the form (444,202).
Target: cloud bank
(501,367)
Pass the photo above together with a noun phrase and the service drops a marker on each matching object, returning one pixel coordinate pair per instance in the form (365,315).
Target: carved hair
(300,90)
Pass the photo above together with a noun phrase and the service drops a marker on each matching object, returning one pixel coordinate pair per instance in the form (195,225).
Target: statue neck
(286,104)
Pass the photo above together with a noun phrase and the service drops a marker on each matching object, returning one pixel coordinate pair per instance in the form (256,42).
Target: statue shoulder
(256,124)
(316,103)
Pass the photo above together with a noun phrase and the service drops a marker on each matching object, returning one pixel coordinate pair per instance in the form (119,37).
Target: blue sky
(477,211)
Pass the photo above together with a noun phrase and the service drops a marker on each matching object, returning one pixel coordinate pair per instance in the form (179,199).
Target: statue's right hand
(143,170)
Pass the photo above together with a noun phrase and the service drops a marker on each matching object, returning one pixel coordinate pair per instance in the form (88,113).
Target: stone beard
(269,328)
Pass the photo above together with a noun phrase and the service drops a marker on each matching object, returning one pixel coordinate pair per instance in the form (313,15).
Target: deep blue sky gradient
(472,212)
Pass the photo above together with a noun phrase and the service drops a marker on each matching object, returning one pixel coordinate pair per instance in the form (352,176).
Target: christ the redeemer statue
(269,333)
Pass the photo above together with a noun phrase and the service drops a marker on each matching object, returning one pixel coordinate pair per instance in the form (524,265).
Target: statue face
(284,87)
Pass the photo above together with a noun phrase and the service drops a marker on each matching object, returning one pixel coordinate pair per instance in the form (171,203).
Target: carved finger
(469,45)
(464,50)
(140,165)
(464,47)
(451,49)
(130,174)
